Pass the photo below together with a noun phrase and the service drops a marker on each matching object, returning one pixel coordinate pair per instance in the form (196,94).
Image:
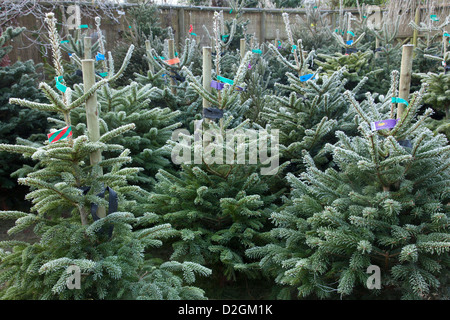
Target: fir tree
(17,80)
(309,114)
(219,208)
(385,204)
(67,193)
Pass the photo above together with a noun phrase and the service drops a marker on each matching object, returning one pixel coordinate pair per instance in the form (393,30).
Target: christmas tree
(383,207)
(71,190)
(17,80)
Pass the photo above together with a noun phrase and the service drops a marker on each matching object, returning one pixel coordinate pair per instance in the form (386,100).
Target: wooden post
(171,56)
(263,27)
(417,21)
(181,26)
(405,77)
(349,25)
(87,47)
(444,43)
(242,48)
(148,49)
(206,72)
(377,46)
(207,65)
(92,119)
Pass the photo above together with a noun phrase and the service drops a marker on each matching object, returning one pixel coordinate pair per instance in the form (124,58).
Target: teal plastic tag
(225,80)
(400,100)
(59,85)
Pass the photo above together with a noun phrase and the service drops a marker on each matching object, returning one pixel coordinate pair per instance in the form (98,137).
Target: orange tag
(173,61)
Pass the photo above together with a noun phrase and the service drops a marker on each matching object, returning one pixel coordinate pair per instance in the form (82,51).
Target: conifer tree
(220,208)
(386,204)
(309,114)
(17,80)
(68,190)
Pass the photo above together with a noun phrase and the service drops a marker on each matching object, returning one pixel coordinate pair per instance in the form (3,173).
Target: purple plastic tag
(383,124)
(217,85)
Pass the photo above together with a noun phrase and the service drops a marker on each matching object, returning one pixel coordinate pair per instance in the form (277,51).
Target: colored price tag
(61,134)
(59,85)
(351,33)
(99,56)
(225,80)
(349,42)
(65,41)
(217,85)
(84,26)
(257,51)
(384,124)
(400,100)
(103,74)
(434,17)
(293,48)
(224,37)
(306,77)
(173,61)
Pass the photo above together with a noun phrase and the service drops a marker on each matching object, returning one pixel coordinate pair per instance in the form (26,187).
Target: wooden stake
(444,43)
(206,72)
(417,21)
(405,77)
(148,49)
(349,25)
(263,27)
(242,48)
(171,56)
(92,120)
(87,47)
(207,65)
(377,45)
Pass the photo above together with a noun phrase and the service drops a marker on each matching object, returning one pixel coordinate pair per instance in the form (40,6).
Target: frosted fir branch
(287,26)
(100,35)
(428,56)
(281,58)
(26,151)
(217,40)
(355,104)
(53,96)
(12,215)
(85,265)
(410,112)
(55,42)
(22,223)
(99,84)
(193,82)
(340,40)
(116,132)
(113,218)
(33,105)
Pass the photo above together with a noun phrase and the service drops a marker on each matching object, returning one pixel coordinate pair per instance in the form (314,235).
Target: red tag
(173,61)
(191,28)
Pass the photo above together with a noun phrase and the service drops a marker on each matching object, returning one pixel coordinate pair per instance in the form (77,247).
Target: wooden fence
(263,24)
